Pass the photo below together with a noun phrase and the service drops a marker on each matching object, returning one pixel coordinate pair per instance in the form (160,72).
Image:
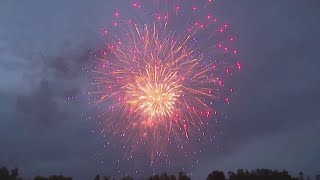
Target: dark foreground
(258,174)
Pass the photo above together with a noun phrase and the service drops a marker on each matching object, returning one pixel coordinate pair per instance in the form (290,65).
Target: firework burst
(160,74)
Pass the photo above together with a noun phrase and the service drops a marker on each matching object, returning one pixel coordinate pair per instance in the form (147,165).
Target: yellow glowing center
(158,100)
(154,95)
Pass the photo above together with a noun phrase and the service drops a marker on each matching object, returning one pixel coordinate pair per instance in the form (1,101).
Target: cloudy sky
(273,120)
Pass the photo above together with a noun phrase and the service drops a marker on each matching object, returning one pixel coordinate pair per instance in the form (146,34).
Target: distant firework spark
(161,73)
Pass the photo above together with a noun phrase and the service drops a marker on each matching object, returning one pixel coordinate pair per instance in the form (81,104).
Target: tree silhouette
(97,177)
(53,177)
(260,174)
(9,175)
(216,175)
(232,175)
(172,177)
(163,176)
(183,176)
(154,177)
(127,178)
(40,178)
(108,178)
(240,174)
(301,176)
(4,173)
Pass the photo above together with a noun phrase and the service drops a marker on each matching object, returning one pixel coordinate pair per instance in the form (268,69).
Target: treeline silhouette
(240,174)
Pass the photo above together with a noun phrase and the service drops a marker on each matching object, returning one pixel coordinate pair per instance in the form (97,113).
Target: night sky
(273,121)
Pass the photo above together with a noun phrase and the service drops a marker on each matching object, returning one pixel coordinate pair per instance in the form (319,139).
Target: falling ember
(158,82)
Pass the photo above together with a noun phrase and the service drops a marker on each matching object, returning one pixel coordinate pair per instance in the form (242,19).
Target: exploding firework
(161,73)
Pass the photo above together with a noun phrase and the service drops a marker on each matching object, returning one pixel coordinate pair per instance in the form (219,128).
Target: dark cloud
(69,67)
(42,52)
(41,106)
(51,81)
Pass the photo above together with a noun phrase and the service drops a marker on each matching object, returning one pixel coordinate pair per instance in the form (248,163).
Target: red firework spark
(161,73)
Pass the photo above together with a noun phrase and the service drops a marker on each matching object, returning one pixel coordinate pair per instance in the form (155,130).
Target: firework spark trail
(156,82)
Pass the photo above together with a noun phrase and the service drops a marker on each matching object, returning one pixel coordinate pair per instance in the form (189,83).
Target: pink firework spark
(161,74)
